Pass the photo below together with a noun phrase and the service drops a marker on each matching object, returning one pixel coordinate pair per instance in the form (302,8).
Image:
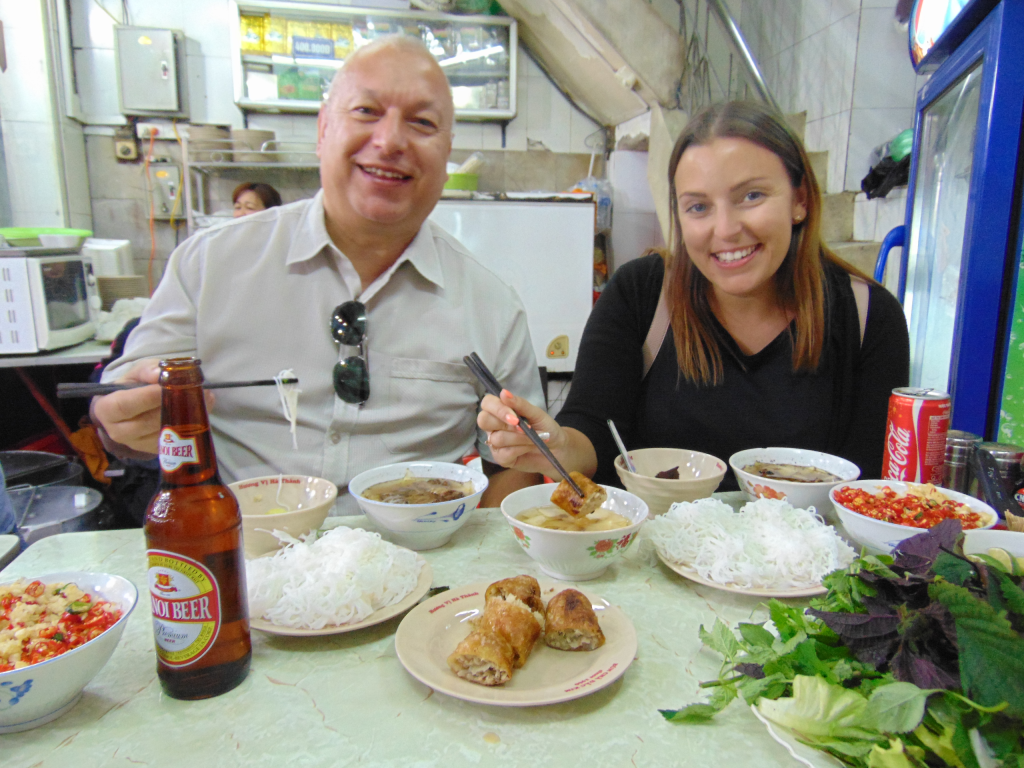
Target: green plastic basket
(26,237)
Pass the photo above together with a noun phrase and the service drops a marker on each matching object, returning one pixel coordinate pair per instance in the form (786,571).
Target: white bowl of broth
(801,476)
(418,504)
(573,550)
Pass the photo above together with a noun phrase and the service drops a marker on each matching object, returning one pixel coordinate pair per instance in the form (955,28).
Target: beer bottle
(194,546)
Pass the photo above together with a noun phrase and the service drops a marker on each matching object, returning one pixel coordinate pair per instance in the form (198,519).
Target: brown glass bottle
(194,547)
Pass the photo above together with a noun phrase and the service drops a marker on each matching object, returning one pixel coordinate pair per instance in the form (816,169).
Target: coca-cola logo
(897,446)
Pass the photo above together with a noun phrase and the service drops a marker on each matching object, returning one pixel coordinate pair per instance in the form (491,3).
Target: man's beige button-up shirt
(255,296)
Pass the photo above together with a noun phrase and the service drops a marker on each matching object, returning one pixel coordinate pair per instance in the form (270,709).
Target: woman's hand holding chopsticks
(512,449)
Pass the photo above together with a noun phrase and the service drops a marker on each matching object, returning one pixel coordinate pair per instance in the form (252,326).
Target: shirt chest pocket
(431,408)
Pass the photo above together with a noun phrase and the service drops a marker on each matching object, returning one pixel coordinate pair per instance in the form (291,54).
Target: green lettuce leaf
(898,755)
(819,709)
(895,708)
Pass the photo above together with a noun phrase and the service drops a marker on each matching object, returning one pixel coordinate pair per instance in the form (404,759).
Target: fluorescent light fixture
(460,58)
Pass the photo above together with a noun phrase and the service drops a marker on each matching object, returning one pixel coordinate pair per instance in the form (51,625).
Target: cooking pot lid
(34,507)
(23,463)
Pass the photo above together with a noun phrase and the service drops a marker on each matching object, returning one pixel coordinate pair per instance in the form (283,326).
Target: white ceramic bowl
(573,555)
(879,536)
(309,500)
(60,241)
(419,526)
(699,475)
(980,541)
(800,495)
(39,693)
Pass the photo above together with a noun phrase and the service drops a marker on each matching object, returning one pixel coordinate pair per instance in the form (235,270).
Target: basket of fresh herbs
(910,660)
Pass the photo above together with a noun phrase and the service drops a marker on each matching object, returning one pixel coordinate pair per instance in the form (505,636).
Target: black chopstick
(493,386)
(89,389)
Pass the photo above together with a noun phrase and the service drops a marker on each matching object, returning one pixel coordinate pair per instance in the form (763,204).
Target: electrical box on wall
(165,189)
(151,77)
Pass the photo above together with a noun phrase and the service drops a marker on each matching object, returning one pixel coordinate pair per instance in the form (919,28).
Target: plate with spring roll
(445,643)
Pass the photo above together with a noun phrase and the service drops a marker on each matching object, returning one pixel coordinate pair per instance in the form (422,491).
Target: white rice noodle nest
(768,544)
(340,578)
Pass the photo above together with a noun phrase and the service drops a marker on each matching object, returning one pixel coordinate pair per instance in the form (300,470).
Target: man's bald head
(404,44)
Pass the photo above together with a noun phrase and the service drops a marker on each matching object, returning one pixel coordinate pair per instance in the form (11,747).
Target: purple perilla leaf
(923,673)
(916,554)
(858,625)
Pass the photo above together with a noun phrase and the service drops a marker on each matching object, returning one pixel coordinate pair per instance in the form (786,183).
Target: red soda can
(915,437)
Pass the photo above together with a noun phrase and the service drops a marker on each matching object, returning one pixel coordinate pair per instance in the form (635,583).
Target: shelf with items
(207,160)
(285,54)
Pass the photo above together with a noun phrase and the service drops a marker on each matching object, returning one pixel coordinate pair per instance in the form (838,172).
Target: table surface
(346,699)
(87,352)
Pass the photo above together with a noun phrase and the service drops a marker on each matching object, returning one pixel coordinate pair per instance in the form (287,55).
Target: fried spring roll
(524,588)
(483,657)
(565,497)
(571,624)
(513,621)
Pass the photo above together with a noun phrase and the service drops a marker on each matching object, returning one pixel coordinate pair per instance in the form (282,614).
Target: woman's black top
(840,408)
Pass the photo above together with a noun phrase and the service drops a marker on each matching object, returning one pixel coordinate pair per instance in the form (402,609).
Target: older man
(371,305)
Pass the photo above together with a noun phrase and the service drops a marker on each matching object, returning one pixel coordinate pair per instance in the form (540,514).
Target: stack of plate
(209,144)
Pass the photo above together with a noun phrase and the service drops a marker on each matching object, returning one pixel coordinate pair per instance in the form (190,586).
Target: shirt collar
(311,238)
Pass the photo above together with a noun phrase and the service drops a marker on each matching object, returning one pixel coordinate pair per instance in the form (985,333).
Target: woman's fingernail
(511,419)
(545,436)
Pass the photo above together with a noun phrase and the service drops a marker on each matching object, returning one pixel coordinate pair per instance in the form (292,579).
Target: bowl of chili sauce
(879,514)
(73,621)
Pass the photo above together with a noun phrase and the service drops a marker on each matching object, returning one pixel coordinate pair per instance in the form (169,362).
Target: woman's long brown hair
(798,281)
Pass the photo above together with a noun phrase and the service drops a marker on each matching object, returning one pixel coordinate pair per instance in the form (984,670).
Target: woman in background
(253,197)
(750,332)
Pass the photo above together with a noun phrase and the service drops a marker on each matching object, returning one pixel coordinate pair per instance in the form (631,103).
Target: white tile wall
(884,76)
(29,133)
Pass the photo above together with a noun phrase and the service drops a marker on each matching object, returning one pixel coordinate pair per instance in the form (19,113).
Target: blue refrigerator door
(955,283)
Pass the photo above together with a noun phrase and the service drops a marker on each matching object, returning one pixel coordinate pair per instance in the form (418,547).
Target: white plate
(421,588)
(692,575)
(805,755)
(428,635)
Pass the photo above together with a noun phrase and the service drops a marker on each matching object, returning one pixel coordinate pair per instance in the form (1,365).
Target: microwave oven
(47,301)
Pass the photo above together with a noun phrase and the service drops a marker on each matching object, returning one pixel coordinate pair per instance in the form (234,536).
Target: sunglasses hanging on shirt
(351,375)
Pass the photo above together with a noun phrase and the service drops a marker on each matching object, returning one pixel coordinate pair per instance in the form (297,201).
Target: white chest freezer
(545,250)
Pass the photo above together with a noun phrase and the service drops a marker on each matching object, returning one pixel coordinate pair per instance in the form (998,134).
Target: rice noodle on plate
(768,544)
(339,578)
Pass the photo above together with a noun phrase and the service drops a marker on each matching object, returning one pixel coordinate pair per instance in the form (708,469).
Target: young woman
(772,340)
(252,197)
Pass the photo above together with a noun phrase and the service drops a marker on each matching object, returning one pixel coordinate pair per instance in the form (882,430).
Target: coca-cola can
(915,437)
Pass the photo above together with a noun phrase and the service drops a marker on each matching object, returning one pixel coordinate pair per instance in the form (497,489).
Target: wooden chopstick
(88,389)
(493,386)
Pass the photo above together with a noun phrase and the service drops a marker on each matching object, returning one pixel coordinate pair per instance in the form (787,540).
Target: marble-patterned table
(346,700)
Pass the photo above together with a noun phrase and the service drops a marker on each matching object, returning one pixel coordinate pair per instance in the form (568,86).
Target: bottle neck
(186,449)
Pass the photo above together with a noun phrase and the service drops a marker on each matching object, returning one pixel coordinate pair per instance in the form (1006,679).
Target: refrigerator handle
(895,239)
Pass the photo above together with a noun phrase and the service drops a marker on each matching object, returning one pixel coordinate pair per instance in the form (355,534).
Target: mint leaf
(788,620)
(756,635)
(720,639)
(895,708)
(752,689)
(991,653)
(694,713)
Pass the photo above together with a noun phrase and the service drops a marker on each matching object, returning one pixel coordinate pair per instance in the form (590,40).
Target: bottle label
(176,450)
(186,607)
